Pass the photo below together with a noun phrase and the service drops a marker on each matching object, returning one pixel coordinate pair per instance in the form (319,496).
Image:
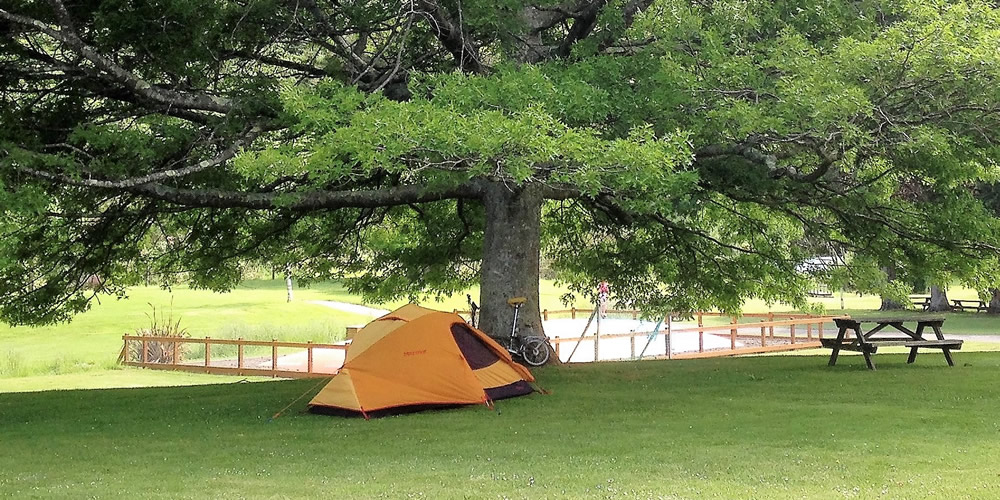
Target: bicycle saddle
(516,300)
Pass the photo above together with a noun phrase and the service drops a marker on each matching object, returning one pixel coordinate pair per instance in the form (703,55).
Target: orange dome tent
(416,357)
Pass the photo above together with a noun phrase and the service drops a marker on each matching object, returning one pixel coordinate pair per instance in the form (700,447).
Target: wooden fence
(175,353)
(774,332)
(771,334)
(784,332)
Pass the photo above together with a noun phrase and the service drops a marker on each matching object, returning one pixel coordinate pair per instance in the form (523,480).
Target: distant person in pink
(603,290)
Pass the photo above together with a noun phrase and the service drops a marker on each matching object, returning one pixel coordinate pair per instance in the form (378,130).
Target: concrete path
(325,361)
(621,348)
(970,338)
(351,308)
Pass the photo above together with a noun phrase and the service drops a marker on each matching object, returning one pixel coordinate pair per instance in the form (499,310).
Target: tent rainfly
(415,358)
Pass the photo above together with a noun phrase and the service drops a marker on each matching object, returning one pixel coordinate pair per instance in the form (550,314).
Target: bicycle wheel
(535,351)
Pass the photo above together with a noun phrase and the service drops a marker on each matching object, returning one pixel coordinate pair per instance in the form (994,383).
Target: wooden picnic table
(867,343)
(963,304)
(924,301)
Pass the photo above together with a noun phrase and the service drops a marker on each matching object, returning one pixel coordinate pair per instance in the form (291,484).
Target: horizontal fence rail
(272,358)
(636,314)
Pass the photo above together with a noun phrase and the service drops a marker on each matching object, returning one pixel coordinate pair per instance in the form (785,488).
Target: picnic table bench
(867,343)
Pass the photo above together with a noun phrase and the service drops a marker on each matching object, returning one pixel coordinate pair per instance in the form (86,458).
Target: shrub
(159,351)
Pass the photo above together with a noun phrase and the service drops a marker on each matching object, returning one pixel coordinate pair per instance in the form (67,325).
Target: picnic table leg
(864,345)
(913,350)
(836,347)
(868,357)
(940,336)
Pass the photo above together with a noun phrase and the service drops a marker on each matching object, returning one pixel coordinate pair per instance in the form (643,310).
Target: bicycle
(533,349)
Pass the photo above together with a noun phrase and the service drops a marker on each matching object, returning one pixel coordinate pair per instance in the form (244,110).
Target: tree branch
(341,47)
(132,82)
(132,182)
(770,161)
(291,201)
(452,37)
(280,63)
(583,24)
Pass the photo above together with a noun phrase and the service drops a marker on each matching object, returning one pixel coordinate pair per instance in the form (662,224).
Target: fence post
(274,357)
(239,353)
(145,355)
(176,353)
(770,317)
(763,335)
(791,330)
(631,341)
(572,312)
(208,352)
(545,314)
(821,330)
(597,339)
(732,333)
(666,338)
(558,344)
(809,331)
(635,314)
(309,356)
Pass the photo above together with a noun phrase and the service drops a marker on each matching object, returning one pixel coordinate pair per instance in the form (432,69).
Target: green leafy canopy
(694,154)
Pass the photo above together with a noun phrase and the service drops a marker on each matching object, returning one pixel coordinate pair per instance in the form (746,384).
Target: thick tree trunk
(939,300)
(510,259)
(994,306)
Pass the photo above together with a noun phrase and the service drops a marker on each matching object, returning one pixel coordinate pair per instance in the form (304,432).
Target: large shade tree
(681,149)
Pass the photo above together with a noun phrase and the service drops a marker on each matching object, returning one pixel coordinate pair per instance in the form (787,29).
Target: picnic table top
(896,319)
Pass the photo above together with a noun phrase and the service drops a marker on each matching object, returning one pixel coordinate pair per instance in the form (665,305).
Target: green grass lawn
(754,427)
(765,427)
(93,339)
(119,377)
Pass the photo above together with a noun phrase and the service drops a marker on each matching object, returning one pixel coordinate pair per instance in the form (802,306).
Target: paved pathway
(351,308)
(621,348)
(972,338)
